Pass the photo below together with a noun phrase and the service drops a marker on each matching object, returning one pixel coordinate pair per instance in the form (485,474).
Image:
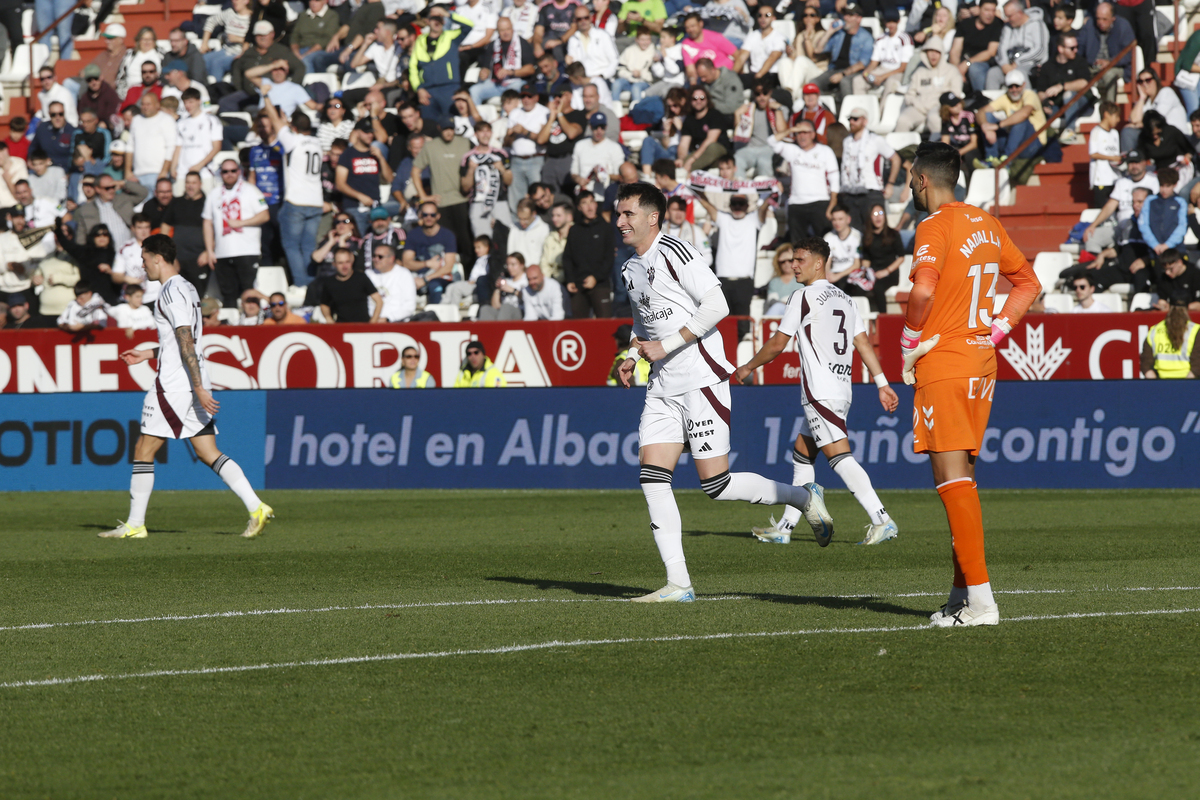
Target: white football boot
(779,533)
(881,533)
(965,616)
(668,594)
(817,515)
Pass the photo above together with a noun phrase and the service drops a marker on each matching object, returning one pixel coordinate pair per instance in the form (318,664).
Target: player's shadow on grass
(95,526)
(838,603)
(578,587)
(734,534)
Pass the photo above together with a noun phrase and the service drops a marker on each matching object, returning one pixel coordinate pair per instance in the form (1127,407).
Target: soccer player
(949,348)
(825,323)
(180,405)
(678,303)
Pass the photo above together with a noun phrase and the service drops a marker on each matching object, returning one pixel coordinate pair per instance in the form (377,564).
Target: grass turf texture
(1096,706)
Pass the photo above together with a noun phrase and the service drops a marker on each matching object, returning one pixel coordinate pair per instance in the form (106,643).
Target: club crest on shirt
(650,274)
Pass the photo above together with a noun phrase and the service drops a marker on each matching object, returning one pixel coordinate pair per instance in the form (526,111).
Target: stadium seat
(863,306)
(1140,302)
(892,104)
(295,296)
(18,67)
(764,268)
(898,141)
(269,280)
(323,77)
(869,102)
(365,80)
(445,312)
(826,100)
(228,315)
(1122,289)
(1060,303)
(633,139)
(982,191)
(1048,265)
(757,306)
(1089,215)
(1114,301)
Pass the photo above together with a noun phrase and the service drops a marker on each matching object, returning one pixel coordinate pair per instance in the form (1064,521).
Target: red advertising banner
(568,353)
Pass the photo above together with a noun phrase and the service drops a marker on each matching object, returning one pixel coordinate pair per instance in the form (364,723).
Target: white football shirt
(302,161)
(1105,143)
(815,171)
(196,137)
(842,252)
(243,201)
(665,287)
(398,291)
(738,243)
(823,320)
(178,306)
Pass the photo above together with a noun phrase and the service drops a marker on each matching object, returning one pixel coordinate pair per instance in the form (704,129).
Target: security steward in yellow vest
(1161,357)
(641,372)
(434,72)
(478,371)
(410,375)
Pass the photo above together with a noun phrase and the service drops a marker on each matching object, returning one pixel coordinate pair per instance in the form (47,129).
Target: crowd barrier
(1042,435)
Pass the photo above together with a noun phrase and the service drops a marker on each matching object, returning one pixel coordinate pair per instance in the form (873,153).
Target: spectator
(183,223)
(529,232)
(702,139)
(941,27)
(411,124)
(198,139)
(97,141)
(845,244)
(484,177)
(560,134)
(52,91)
(403,191)
(633,70)
(1104,150)
(316,36)
(18,263)
(591,46)
(555,23)
(155,209)
(112,209)
(381,232)
(542,297)
(724,87)
(507,63)
(149,85)
(46,180)
(1188,85)
(1085,301)
(562,218)
(1163,221)
(1166,146)
(889,58)
(1097,235)
(815,180)
(144,50)
(235,21)
(1179,283)
(807,52)
(523,14)
(1128,259)
(410,375)
(738,230)
(334,124)
(210,313)
(679,227)
(958,128)
(483,19)
(547,80)
(477,369)
(638,15)
(127,267)
(1010,119)
(505,302)
(233,218)
(1060,79)
(521,140)
(862,181)
(590,97)
(46,13)
(597,159)
(20,317)
(358,172)
(477,286)
(761,51)
(272,81)
(1140,16)
(434,72)
(303,199)
(381,55)
(152,142)
(108,62)
(849,48)
(251,312)
(445,156)
(699,43)
(280,313)
(1101,38)
(882,256)
(271,11)
(183,50)
(1024,43)
(544,198)
(18,143)
(783,285)
(343,234)
(431,252)
(264,51)
(664,143)
(99,98)
(922,107)
(133,314)
(176,80)
(396,287)
(976,42)
(588,261)
(814,111)
(1170,348)
(54,137)
(349,295)
(12,170)
(754,125)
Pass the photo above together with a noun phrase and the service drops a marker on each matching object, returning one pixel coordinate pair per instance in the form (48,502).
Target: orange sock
(963,512)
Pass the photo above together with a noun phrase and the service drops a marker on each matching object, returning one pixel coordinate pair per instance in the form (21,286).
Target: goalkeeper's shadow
(865,603)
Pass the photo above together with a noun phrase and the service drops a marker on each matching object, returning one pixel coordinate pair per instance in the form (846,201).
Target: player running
(679,303)
(180,405)
(949,348)
(825,324)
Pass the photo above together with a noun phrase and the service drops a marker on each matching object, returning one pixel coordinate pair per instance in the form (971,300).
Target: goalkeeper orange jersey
(962,251)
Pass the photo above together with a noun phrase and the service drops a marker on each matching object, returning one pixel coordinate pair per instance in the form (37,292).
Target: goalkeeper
(949,348)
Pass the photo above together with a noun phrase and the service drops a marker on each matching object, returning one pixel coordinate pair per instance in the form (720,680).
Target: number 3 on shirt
(982,313)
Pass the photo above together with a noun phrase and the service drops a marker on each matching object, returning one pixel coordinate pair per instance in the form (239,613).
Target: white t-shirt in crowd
(1167,103)
(824,321)
(738,243)
(399,293)
(760,49)
(546,304)
(153,142)
(243,201)
(814,172)
(196,136)
(128,262)
(1105,143)
(139,319)
(1123,193)
(1097,308)
(588,155)
(842,252)
(865,163)
(892,51)
(302,169)
(386,60)
(482,18)
(532,121)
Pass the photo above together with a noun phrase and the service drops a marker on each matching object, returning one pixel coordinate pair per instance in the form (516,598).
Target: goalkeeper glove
(911,348)
(1000,329)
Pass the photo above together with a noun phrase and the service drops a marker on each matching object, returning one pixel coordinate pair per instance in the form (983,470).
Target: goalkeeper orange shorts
(952,414)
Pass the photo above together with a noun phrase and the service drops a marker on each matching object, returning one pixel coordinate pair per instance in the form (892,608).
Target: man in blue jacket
(849,51)
(1163,221)
(1101,38)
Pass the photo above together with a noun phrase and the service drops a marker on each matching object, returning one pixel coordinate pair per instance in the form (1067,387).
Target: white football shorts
(699,419)
(825,421)
(174,415)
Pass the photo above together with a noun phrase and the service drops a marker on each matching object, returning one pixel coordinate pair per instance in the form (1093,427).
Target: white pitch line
(522,648)
(519,601)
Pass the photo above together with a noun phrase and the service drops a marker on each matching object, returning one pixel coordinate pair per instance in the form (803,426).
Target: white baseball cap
(1014,78)
(114,30)
(263,27)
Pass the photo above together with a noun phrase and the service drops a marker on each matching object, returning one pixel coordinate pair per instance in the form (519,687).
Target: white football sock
(665,522)
(236,480)
(859,484)
(802,472)
(753,488)
(981,596)
(141,484)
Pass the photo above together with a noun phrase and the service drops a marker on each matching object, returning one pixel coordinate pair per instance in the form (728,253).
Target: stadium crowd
(392,160)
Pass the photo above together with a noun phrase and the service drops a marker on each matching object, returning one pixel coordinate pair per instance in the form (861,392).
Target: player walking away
(960,253)
(825,323)
(679,303)
(180,405)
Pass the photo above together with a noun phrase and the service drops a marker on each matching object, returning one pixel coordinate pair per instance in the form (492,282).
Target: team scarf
(744,127)
(510,59)
(701,181)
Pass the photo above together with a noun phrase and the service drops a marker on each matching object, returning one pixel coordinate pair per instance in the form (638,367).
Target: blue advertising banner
(83,441)
(1061,434)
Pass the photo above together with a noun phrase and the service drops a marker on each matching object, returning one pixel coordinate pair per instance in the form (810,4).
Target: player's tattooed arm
(191,362)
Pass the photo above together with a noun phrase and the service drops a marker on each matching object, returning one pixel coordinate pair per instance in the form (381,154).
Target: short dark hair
(484,239)
(190,93)
(694,15)
(536,187)
(1168,176)
(81,287)
(664,167)
(564,206)
(159,244)
(815,245)
(1083,277)
(940,162)
(517,255)
(1170,256)
(279,294)
(137,218)
(840,207)
(677,201)
(1109,107)
(649,198)
(576,69)
(301,122)
(385,246)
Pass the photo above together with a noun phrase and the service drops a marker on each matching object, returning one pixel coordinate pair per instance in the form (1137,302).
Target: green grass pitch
(406,648)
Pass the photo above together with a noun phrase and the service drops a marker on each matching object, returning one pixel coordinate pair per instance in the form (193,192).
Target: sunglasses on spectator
(229,172)
(430,214)
(473,353)
(699,99)
(107,188)
(98,234)
(89,80)
(344,221)
(336,105)
(280,304)
(57,114)
(1079,287)
(812,16)
(764,14)
(378,255)
(1145,80)
(858,117)
(414,355)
